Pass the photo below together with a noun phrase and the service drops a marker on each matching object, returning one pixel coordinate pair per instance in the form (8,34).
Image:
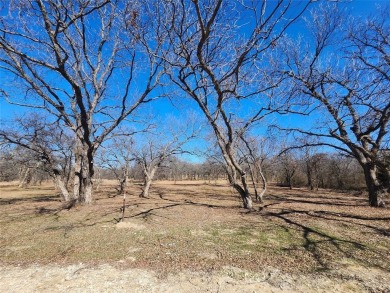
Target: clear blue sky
(165,107)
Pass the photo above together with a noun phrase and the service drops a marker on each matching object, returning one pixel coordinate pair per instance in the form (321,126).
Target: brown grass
(193,225)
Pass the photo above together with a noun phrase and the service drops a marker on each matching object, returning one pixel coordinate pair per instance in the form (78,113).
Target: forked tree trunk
(148,178)
(245,196)
(122,185)
(25,177)
(242,188)
(232,170)
(258,195)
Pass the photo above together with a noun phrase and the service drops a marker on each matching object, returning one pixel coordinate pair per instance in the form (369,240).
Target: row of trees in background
(92,66)
(123,163)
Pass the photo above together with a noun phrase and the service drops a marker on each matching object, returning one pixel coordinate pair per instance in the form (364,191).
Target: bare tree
(118,157)
(160,146)
(82,62)
(31,169)
(47,144)
(21,164)
(314,165)
(212,170)
(288,166)
(220,56)
(343,74)
(8,168)
(253,155)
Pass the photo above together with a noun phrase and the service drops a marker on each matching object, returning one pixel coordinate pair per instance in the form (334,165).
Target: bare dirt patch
(106,278)
(197,233)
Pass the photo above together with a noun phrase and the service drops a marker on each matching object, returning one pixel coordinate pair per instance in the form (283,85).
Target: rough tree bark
(84,171)
(375,189)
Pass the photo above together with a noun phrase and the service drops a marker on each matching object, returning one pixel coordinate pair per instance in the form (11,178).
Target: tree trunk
(86,195)
(146,187)
(264,181)
(288,180)
(309,176)
(375,190)
(242,189)
(26,177)
(245,196)
(122,183)
(148,178)
(77,174)
(258,195)
(253,181)
(60,183)
(68,169)
(233,170)
(84,172)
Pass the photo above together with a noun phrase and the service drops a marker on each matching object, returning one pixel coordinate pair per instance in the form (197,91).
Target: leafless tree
(48,146)
(212,170)
(8,168)
(314,166)
(252,151)
(26,165)
(288,166)
(118,157)
(343,75)
(220,55)
(160,146)
(82,62)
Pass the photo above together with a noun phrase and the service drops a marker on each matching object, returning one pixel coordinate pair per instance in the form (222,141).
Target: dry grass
(196,226)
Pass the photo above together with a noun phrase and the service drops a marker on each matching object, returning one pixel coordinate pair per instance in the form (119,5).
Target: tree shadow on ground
(317,200)
(42,198)
(324,246)
(185,202)
(193,194)
(291,211)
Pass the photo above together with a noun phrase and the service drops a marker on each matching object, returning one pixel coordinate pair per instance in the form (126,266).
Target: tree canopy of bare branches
(82,62)
(159,147)
(47,143)
(219,53)
(343,75)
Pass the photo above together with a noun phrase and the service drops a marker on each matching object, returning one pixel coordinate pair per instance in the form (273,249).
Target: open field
(193,237)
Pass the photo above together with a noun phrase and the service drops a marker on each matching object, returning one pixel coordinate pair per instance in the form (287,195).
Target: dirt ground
(192,237)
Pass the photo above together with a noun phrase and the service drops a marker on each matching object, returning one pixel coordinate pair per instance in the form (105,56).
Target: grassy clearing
(195,226)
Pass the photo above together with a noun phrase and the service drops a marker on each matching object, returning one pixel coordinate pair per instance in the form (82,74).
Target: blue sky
(165,107)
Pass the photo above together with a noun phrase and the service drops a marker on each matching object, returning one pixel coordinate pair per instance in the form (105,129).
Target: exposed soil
(193,237)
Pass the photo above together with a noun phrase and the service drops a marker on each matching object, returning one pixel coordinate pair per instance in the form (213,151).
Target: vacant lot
(193,237)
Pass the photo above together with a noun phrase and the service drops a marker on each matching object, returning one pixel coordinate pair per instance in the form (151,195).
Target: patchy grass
(192,225)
